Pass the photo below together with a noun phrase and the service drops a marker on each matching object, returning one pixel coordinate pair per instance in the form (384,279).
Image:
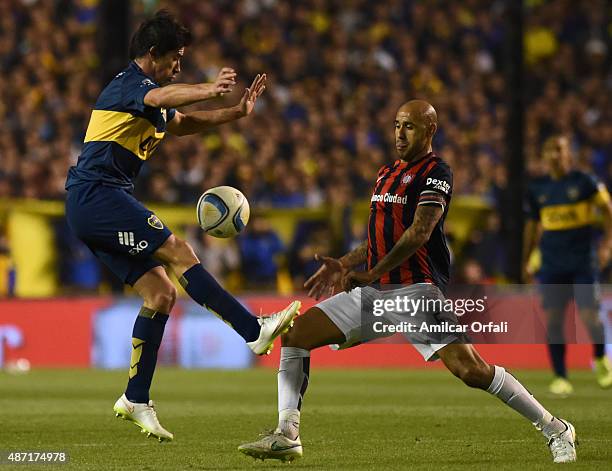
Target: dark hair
(163,31)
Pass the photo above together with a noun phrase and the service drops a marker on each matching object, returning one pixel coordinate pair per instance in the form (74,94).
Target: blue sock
(557,357)
(204,290)
(146,339)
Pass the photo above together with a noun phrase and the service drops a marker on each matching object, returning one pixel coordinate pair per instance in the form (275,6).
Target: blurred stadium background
(306,158)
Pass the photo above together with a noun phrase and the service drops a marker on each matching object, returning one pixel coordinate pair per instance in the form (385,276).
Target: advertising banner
(81,332)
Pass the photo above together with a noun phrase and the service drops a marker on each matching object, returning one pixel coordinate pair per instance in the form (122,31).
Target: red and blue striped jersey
(400,188)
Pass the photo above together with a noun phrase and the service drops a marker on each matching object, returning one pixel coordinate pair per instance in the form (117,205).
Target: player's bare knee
(185,252)
(186,257)
(162,299)
(179,254)
(294,338)
(289,338)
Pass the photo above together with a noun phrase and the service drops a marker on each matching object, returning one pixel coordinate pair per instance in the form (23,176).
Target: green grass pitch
(352,419)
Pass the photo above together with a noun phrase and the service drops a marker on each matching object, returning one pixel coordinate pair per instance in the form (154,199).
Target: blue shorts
(558,289)
(117,228)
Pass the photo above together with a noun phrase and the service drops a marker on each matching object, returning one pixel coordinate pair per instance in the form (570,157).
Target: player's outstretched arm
(180,94)
(199,121)
(327,278)
(425,219)
(355,257)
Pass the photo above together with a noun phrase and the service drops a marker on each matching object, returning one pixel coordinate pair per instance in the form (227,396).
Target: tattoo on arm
(425,220)
(355,257)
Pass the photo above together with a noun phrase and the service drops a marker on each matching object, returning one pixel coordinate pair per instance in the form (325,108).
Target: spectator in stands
(472,273)
(337,70)
(310,238)
(220,257)
(486,247)
(260,249)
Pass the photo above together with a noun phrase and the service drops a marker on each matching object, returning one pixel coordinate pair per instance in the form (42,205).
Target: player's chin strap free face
(165,66)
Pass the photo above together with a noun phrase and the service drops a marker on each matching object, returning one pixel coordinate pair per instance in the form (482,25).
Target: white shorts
(352,314)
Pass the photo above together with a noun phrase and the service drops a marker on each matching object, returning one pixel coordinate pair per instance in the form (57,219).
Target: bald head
(415,124)
(421,111)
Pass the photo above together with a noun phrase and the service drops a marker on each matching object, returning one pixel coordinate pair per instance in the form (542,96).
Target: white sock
(289,423)
(507,388)
(293,373)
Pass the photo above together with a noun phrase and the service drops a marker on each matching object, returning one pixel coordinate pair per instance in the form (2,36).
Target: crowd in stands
(337,71)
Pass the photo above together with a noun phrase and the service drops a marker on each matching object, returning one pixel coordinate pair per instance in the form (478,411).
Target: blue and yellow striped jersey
(122,133)
(567,211)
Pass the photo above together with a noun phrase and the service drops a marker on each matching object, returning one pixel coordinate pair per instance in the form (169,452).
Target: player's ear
(433,127)
(153,52)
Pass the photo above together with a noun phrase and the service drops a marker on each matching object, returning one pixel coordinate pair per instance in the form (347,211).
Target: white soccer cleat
(144,416)
(273,446)
(563,444)
(273,326)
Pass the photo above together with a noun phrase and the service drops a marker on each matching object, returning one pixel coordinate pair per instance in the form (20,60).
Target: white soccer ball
(223,211)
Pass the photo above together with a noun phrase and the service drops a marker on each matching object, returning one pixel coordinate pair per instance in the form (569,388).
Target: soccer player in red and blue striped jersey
(406,251)
(400,188)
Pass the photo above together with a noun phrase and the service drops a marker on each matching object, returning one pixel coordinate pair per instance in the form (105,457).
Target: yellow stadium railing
(32,245)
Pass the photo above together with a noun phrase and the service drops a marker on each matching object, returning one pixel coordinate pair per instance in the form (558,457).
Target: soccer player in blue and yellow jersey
(129,120)
(563,208)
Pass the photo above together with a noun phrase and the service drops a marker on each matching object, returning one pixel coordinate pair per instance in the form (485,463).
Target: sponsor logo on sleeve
(143,244)
(439,185)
